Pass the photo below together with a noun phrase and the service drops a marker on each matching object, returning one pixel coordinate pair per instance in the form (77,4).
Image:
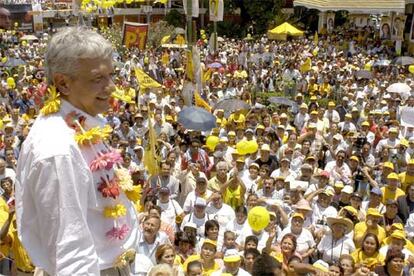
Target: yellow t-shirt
(238,119)
(206,272)
(405,180)
(325,89)
(388,194)
(371,262)
(361,229)
(21,258)
(234,198)
(312,88)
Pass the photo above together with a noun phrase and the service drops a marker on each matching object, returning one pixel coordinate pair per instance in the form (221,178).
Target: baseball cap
(324,174)
(298,215)
(231,256)
(373,212)
(391,202)
(392,176)
(200,202)
(190,225)
(376,191)
(388,165)
(348,189)
(265,147)
(164,190)
(208,241)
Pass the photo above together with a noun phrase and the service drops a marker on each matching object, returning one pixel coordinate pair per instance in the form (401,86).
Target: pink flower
(106,161)
(118,232)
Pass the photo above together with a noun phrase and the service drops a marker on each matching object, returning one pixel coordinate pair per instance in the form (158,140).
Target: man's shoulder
(49,136)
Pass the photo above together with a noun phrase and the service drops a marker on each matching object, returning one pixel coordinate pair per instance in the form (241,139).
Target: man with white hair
(69,218)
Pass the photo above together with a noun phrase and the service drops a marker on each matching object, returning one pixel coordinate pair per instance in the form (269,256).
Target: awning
(361,7)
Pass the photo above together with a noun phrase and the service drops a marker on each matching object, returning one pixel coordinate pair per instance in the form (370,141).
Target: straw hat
(344,221)
(302,204)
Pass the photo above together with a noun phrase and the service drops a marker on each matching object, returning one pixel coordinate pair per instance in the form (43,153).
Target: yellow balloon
(212,142)
(411,69)
(24,42)
(4,60)
(368,67)
(242,147)
(10,83)
(258,218)
(315,52)
(252,147)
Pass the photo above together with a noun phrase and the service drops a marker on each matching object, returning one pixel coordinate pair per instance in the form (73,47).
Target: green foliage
(175,18)
(260,13)
(157,31)
(114,35)
(229,29)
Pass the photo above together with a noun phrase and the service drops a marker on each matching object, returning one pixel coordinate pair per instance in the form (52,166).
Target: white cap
(200,202)
(348,189)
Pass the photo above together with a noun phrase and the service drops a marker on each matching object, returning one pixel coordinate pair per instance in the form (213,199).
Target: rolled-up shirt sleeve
(59,217)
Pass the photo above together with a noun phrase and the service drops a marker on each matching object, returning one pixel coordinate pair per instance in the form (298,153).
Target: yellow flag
(306,66)
(200,102)
(189,67)
(161,1)
(207,75)
(144,80)
(316,38)
(150,155)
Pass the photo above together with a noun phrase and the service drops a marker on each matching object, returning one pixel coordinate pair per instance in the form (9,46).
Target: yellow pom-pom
(52,104)
(116,211)
(134,195)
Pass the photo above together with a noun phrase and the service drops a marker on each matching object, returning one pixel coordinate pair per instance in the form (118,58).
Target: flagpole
(215,37)
(189,23)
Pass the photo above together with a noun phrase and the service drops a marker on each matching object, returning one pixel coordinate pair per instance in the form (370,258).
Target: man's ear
(61,82)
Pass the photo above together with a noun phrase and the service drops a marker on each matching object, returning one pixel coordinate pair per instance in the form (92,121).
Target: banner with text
(135,35)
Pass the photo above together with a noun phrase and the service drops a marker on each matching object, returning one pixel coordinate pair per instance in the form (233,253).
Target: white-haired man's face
(91,88)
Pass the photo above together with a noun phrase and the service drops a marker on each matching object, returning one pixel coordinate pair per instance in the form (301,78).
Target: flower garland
(105,161)
(52,104)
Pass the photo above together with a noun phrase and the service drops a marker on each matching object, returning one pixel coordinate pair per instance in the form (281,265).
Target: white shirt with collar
(150,249)
(59,209)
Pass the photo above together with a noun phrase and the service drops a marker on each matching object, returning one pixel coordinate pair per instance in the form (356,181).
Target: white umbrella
(401,88)
(29,37)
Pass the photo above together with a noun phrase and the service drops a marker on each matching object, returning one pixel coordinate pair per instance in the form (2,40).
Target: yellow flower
(134,195)
(106,131)
(125,180)
(52,104)
(92,135)
(116,211)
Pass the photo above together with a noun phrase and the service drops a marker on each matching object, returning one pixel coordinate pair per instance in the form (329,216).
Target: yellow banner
(144,80)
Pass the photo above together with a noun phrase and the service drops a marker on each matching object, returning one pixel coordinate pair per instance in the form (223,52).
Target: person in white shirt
(304,238)
(220,211)
(337,242)
(59,208)
(200,191)
(170,208)
(150,237)
(390,142)
(199,216)
(251,178)
(338,169)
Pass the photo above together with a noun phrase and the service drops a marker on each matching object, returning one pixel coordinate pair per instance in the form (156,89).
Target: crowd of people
(336,173)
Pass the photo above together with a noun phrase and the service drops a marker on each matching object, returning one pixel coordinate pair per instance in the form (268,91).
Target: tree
(259,13)
(175,18)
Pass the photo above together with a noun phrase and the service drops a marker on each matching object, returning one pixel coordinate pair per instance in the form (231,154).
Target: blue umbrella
(215,65)
(196,118)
